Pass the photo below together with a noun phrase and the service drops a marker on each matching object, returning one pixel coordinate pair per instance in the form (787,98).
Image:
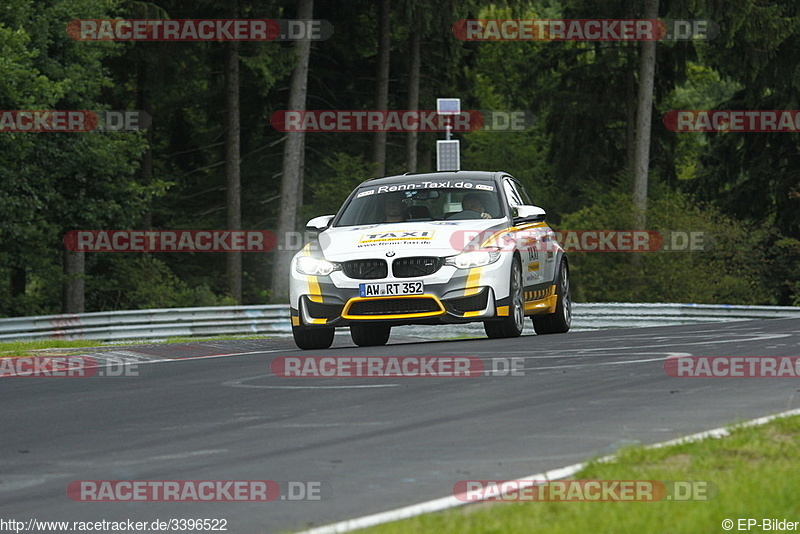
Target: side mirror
(319,224)
(528,213)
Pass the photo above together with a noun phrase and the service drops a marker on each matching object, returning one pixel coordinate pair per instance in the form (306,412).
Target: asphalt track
(393,443)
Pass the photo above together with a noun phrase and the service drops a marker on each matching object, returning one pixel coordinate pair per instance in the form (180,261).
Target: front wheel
(370,335)
(512,325)
(313,338)
(560,321)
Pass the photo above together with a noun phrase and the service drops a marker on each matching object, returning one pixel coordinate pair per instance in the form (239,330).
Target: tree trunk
(382,83)
(72,290)
(413,93)
(232,167)
(18,281)
(144,104)
(647,67)
(630,119)
(292,179)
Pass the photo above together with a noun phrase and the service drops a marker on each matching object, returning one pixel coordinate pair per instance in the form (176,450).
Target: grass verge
(18,349)
(755,471)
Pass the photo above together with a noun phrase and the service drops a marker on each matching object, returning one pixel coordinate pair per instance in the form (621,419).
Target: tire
(560,321)
(512,325)
(370,335)
(313,338)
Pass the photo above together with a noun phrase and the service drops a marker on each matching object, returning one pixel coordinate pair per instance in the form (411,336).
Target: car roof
(479,176)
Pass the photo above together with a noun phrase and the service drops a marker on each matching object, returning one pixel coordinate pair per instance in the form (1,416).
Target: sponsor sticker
(401,236)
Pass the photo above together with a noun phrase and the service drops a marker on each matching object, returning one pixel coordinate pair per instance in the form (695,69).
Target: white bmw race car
(435,248)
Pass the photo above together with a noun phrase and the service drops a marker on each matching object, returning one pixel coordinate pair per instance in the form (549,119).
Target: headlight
(315,266)
(474,258)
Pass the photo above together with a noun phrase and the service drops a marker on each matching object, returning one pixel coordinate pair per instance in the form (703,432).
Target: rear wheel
(313,338)
(512,325)
(370,335)
(560,321)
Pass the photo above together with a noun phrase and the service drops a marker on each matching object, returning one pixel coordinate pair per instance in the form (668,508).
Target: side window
(526,199)
(512,195)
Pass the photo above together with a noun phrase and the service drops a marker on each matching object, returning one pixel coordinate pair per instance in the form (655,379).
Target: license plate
(390,289)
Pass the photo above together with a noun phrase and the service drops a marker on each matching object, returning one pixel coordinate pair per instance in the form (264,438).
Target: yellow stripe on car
(473,282)
(314,292)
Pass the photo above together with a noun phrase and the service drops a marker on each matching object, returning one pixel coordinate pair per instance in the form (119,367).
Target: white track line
(444,503)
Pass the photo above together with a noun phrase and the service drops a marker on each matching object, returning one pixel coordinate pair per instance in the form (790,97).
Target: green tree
(756,176)
(55,182)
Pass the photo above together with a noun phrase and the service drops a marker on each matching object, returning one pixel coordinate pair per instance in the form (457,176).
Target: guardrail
(633,315)
(274,319)
(149,324)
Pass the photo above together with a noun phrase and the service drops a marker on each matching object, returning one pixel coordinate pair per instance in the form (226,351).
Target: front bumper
(410,309)
(450,295)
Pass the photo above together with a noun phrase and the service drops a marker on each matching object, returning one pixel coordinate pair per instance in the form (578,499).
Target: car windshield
(374,204)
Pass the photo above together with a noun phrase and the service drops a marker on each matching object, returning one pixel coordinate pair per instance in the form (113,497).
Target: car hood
(425,238)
